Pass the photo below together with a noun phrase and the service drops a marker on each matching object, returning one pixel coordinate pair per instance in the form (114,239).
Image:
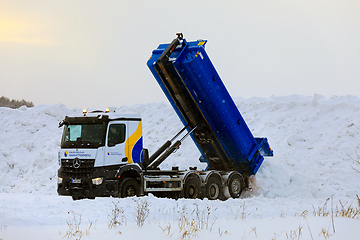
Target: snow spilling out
(315,142)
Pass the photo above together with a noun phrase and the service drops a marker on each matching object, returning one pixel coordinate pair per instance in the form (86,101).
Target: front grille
(72,170)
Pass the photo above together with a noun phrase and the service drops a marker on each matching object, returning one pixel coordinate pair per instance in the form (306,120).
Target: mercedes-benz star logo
(76,163)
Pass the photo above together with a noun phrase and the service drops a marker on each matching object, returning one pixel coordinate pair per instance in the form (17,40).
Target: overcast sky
(93,54)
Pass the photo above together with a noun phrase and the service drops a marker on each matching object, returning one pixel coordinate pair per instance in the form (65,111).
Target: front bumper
(87,186)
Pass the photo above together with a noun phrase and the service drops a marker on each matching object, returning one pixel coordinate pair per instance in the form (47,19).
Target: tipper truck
(102,153)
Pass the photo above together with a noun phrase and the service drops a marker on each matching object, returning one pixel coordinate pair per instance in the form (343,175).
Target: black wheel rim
(130,191)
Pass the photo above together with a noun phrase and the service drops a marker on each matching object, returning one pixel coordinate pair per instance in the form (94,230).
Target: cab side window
(116,134)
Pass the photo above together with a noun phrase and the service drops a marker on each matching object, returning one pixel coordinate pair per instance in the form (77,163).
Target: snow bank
(313,138)
(314,141)
(29,139)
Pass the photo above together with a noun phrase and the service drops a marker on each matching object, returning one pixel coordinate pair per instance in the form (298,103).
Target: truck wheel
(213,189)
(192,188)
(236,185)
(129,187)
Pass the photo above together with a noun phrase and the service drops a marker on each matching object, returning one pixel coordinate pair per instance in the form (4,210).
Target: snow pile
(312,173)
(29,139)
(314,139)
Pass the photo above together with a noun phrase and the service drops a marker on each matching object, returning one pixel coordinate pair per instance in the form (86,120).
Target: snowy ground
(303,192)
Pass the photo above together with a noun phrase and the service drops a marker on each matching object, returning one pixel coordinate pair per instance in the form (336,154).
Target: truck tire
(129,187)
(236,185)
(192,188)
(213,189)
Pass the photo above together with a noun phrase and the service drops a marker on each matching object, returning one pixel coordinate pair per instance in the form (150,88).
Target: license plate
(75,180)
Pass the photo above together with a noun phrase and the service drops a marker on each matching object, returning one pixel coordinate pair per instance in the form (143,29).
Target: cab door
(115,143)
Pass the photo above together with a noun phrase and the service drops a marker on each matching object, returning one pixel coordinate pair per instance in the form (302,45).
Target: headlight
(97,181)
(60,180)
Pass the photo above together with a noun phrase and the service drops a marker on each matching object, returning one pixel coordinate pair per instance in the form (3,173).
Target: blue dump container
(194,88)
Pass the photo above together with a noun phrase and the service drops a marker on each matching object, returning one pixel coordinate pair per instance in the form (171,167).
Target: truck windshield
(84,136)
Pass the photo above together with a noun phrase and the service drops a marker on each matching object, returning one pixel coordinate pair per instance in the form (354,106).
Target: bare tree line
(6,102)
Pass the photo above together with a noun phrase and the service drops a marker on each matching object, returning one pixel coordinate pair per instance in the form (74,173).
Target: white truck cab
(93,148)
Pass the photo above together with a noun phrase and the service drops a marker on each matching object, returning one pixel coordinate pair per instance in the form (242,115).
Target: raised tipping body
(194,88)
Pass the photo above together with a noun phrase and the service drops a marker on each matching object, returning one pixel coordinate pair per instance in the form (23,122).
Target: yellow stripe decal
(130,142)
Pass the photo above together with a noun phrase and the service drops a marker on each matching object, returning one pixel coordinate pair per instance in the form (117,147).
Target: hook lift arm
(154,162)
